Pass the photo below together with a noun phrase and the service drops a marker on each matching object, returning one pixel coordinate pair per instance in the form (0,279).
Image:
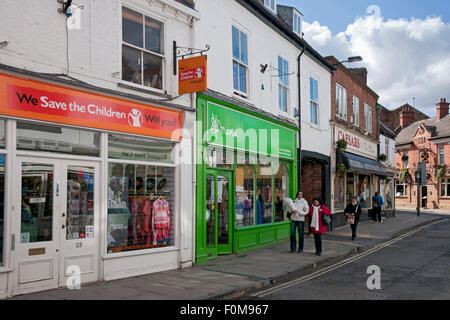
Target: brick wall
(354,87)
(391,118)
(312,180)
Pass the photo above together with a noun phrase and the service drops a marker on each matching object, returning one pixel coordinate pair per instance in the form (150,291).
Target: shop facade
(90,186)
(246,165)
(360,174)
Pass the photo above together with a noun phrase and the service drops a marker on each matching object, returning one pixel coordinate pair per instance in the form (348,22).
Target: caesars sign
(192,75)
(354,143)
(41,101)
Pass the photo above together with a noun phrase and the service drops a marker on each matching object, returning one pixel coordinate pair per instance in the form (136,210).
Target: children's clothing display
(161,221)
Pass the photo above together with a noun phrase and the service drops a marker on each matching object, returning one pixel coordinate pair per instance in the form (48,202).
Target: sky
(405,44)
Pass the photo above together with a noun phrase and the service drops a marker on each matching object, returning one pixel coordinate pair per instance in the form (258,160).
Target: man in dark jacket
(377,204)
(353,211)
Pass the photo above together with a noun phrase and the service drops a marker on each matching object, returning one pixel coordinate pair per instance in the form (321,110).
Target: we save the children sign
(37,100)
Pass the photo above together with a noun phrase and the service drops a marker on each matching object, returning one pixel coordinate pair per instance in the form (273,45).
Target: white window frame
(269,3)
(356,113)
(368,118)
(237,92)
(342,97)
(386,149)
(405,189)
(314,102)
(406,162)
(283,86)
(143,50)
(441,152)
(446,183)
(297,23)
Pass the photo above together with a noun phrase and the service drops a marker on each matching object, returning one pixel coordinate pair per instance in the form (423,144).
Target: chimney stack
(361,73)
(442,109)
(406,116)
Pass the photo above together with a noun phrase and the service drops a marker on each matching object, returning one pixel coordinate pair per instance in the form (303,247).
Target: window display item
(161,221)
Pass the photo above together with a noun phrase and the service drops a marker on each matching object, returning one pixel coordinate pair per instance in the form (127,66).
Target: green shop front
(246,165)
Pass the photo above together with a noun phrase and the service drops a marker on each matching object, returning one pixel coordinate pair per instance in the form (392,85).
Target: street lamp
(350,60)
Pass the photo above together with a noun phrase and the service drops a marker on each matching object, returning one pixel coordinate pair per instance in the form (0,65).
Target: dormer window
(297,25)
(271,5)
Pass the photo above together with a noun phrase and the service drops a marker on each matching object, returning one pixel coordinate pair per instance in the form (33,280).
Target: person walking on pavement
(377,204)
(298,221)
(317,227)
(353,213)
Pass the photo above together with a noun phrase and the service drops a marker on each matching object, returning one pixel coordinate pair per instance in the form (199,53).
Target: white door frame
(46,269)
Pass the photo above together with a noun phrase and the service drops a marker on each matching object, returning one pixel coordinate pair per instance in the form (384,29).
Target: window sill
(143,252)
(149,90)
(242,98)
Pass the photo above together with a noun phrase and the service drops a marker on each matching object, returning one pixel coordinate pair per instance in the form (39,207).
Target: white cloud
(404,58)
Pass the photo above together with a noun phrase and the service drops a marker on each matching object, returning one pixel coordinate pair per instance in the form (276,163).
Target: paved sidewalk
(233,275)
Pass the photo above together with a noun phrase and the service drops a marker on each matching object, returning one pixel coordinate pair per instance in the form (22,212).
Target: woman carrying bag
(317,226)
(353,212)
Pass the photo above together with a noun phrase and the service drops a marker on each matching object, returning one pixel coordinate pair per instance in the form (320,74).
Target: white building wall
(264,47)
(36,33)
(37,41)
(316,138)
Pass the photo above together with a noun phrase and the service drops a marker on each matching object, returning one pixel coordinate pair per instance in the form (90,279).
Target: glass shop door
(55,217)
(218,211)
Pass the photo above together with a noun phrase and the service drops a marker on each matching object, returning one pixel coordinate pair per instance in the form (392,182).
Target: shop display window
(245,195)
(350,188)
(264,207)
(339,193)
(281,192)
(141,208)
(39,137)
(140,149)
(364,191)
(387,192)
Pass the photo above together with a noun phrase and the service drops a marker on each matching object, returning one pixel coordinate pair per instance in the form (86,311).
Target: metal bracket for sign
(181,52)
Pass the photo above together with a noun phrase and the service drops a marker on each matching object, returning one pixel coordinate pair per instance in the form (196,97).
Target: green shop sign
(237,130)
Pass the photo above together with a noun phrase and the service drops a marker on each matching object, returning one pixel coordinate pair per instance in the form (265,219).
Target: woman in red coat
(317,228)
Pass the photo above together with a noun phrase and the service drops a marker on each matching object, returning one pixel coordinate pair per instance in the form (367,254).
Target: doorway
(424,197)
(56,222)
(219,211)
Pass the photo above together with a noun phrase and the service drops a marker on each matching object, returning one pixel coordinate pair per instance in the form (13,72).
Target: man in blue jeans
(298,221)
(377,204)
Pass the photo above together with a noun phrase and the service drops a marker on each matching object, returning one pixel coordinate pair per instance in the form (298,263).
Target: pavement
(233,276)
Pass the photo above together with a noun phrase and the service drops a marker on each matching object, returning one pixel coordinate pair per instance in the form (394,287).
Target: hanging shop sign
(357,144)
(192,74)
(237,130)
(42,101)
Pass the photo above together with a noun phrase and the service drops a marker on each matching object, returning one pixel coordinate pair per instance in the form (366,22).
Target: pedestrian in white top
(298,221)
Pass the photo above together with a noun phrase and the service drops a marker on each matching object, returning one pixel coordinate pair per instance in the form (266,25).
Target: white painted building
(88,182)
(273,43)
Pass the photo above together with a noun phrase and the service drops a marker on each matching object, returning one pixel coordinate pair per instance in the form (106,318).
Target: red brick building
(391,118)
(427,140)
(354,118)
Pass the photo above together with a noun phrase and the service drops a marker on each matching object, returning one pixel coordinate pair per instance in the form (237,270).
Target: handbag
(326,220)
(351,220)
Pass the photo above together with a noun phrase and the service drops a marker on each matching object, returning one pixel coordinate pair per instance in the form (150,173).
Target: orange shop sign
(37,100)
(192,75)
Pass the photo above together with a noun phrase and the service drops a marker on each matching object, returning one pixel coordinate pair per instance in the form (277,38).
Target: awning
(357,163)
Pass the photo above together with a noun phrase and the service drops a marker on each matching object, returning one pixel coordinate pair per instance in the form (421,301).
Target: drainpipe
(299,150)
